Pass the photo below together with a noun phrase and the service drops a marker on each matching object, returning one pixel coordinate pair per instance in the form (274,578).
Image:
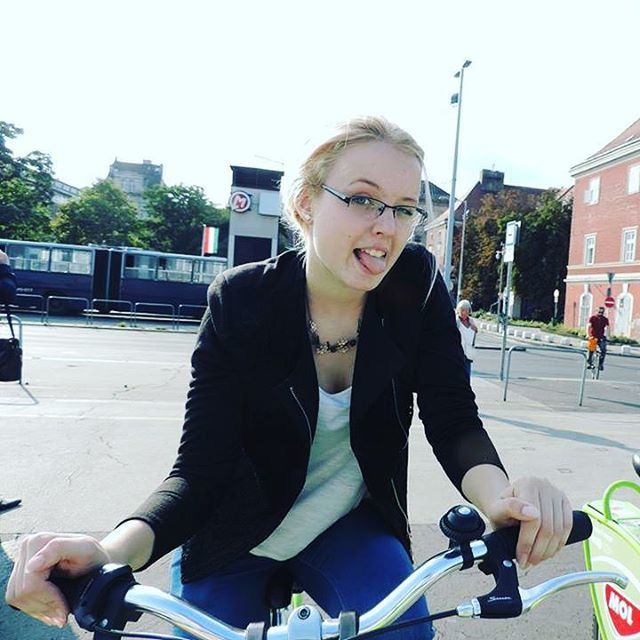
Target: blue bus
(112,276)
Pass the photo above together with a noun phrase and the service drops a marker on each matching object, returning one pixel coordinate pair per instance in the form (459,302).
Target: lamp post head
(466,64)
(556,295)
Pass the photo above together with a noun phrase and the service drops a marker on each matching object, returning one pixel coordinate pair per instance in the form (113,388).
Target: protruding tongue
(374,265)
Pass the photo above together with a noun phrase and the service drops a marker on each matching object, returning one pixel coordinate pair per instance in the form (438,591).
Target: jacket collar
(378,357)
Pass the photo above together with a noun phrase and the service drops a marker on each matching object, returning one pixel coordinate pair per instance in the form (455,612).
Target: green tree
(176,216)
(101,214)
(541,256)
(25,190)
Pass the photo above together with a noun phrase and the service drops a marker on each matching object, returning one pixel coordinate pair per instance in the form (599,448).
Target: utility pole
(511,239)
(448,254)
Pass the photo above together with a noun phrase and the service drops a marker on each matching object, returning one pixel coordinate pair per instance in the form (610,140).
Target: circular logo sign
(240,201)
(609,302)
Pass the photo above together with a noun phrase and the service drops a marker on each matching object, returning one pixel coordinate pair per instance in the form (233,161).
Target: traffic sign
(609,302)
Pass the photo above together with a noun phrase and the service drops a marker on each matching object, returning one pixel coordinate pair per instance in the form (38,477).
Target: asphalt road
(96,426)
(553,375)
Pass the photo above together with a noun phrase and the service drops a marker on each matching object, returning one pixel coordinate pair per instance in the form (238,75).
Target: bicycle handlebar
(111,595)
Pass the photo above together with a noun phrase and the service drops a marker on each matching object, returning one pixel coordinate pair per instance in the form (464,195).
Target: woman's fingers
(29,588)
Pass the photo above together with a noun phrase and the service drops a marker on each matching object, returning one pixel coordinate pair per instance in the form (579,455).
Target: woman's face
(463,313)
(345,250)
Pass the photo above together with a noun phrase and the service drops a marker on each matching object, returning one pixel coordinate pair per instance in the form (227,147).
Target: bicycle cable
(122,633)
(403,624)
(361,636)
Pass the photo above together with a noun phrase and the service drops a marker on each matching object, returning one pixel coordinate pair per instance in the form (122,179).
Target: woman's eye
(362,201)
(405,212)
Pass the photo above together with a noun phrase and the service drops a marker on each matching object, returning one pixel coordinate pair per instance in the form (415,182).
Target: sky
(198,85)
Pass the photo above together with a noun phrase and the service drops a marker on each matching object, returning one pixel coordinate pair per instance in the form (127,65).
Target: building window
(629,245)
(590,249)
(592,194)
(634,179)
(586,300)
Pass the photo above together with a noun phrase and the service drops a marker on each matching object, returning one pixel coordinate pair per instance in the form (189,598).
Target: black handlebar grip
(73,588)
(507,538)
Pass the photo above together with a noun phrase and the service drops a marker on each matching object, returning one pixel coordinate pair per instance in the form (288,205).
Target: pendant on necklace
(343,345)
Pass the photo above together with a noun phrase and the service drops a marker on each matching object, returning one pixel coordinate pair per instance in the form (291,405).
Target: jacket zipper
(395,404)
(404,515)
(304,413)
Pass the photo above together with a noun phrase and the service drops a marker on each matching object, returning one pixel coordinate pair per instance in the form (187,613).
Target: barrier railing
(189,306)
(29,308)
(125,306)
(67,299)
(154,305)
(561,349)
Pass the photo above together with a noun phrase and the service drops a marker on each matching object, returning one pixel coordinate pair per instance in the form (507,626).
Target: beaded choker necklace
(343,345)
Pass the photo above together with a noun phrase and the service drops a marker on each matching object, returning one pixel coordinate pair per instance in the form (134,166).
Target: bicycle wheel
(596,368)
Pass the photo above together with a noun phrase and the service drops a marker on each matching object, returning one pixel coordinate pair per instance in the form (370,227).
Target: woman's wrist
(130,543)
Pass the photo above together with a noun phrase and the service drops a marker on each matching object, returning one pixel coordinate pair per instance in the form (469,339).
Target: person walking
(294,451)
(468,333)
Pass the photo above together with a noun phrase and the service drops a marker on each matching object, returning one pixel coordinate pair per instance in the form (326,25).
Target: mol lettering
(624,615)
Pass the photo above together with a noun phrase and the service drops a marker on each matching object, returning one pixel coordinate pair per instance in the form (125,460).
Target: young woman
(468,331)
(294,448)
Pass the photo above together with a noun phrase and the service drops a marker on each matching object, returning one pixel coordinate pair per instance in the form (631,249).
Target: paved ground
(95,429)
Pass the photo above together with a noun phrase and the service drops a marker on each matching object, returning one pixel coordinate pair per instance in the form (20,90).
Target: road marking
(587,379)
(109,361)
(51,416)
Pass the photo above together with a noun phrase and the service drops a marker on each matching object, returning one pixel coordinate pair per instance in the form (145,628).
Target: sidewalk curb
(535,335)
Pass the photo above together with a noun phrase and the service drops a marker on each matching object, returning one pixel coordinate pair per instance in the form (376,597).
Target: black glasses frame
(383,206)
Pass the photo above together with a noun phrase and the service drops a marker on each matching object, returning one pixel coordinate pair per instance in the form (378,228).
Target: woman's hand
(543,512)
(40,554)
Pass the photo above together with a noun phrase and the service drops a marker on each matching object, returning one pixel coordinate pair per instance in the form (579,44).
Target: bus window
(28,258)
(77,261)
(205,271)
(175,269)
(140,266)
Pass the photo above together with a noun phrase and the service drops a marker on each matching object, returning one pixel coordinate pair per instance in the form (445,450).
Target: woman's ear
(304,207)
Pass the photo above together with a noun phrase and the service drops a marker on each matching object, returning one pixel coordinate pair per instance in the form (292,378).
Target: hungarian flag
(209,240)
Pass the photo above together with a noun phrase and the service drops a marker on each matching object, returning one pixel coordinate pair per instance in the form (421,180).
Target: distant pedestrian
(8,287)
(8,284)
(598,328)
(468,331)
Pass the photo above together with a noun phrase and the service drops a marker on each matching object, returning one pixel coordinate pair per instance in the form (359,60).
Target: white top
(467,337)
(334,484)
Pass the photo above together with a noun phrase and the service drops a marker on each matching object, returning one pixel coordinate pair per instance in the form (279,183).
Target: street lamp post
(452,196)
(499,254)
(556,295)
(464,224)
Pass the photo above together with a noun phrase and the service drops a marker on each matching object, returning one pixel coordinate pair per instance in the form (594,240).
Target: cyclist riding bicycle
(294,449)
(598,329)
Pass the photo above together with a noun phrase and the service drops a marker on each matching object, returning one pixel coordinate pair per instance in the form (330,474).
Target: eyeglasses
(371,208)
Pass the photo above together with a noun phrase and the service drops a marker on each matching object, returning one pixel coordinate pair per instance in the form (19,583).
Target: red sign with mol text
(624,615)
(240,201)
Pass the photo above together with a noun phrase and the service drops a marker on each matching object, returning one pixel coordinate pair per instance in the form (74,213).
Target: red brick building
(603,251)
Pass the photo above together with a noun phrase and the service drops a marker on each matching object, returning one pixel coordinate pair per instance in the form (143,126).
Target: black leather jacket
(253,403)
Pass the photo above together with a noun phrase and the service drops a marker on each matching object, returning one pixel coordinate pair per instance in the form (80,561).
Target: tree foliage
(25,190)
(101,214)
(540,257)
(176,215)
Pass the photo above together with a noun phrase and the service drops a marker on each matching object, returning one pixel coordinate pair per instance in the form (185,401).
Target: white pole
(452,196)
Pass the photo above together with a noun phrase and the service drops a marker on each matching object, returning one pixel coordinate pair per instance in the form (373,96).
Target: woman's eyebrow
(371,183)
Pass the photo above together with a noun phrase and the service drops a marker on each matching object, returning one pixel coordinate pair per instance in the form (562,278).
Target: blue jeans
(351,566)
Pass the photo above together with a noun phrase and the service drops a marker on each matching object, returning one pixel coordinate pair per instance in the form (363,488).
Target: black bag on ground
(10,355)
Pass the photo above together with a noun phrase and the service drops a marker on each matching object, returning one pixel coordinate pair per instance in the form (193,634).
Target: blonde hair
(313,170)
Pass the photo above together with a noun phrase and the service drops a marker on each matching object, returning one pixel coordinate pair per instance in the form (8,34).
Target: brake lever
(533,596)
